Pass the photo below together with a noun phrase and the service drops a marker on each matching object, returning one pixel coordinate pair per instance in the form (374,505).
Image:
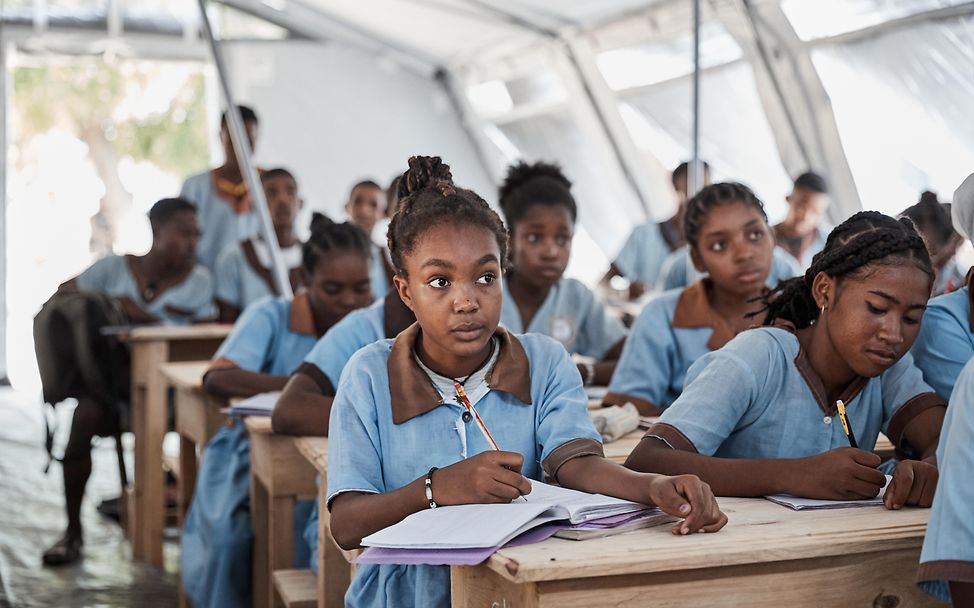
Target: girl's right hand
(488,477)
(839,474)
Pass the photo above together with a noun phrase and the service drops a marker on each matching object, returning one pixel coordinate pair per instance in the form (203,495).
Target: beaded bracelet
(429,488)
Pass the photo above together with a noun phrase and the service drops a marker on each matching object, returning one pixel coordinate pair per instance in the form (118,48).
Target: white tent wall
(335,115)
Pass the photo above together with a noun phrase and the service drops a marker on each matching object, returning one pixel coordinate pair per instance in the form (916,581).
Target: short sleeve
(564,428)
(942,348)
(228,276)
(251,342)
(99,276)
(905,396)
(948,548)
(599,331)
(354,448)
(331,353)
(723,388)
(646,367)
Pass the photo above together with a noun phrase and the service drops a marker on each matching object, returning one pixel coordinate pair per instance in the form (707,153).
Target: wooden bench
(152,347)
(297,588)
(279,476)
(767,555)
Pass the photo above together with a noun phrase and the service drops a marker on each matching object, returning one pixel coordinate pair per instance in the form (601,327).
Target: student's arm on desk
(235,382)
(839,474)
(683,495)
(302,409)
(914,481)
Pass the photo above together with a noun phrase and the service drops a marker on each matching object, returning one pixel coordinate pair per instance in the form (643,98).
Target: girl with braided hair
(729,237)
(758,416)
(268,342)
(400,441)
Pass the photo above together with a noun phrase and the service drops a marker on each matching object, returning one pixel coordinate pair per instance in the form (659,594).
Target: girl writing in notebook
(759,416)
(267,343)
(541,212)
(396,423)
(730,240)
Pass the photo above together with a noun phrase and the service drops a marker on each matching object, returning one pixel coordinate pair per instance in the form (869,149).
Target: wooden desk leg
(187,476)
(259,504)
(334,571)
(149,424)
(280,526)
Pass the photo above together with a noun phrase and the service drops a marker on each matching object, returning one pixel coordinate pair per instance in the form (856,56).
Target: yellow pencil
(845,423)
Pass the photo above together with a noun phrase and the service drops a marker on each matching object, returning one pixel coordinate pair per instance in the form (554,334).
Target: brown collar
(693,309)
(413,394)
(970,299)
(302,317)
(814,381)
(396,316)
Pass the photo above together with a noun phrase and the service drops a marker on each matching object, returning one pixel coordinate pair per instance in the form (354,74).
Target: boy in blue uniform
(364,209)
(803,233)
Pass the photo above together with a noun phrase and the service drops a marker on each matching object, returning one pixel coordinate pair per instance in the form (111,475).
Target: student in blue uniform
(641,257)
(221,196)
(396,427)
(947,560)
(932,221)
(803,232)
(163,286)
(679,269)
(243,270)
(758,416)
(268,343)
(946,340)
(541,212)
(730,239)
(364,210)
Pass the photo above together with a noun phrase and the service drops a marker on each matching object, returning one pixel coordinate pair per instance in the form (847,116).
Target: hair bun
(521,173)
(426,172)
(320,221)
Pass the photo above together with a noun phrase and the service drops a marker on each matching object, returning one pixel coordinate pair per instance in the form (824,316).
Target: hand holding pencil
(488,477)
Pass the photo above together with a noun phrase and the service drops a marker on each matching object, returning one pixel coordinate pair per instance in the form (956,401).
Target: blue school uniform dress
(243,272)
(271,337)
(224,217)
(946,340)
(572,315)
(948,548)
(678,269)
(189,301)
(670,334)
(642,256)
(390,425)
(759,397)
(324,364)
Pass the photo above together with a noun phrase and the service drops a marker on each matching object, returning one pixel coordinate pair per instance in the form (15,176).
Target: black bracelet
(429,488)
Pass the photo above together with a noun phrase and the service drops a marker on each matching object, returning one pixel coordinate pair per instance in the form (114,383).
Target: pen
(462,398)
(845,423)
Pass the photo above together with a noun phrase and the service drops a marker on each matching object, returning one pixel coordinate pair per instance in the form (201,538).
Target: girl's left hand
(688,497)
(914,483)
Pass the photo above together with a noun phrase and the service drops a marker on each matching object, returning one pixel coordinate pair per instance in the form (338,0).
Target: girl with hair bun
(397,426)
(759,416)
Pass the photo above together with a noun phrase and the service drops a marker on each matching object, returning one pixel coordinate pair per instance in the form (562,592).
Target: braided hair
(868,237)
(328,236)
(428,197)
(714,195)
(527,185)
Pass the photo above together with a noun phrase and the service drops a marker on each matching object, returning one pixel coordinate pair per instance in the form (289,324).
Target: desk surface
(185,374)
(203,331)
(258,425)
(759,531)
(315,449)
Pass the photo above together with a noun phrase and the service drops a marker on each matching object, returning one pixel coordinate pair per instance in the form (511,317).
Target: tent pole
(242,149)
(6,97)
(695,181)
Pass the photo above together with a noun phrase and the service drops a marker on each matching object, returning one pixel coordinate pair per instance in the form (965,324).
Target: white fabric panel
(902,102)
(335,115)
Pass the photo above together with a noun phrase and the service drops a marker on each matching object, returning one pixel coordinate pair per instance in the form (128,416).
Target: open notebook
(258,405)
(796,503)
(482,526)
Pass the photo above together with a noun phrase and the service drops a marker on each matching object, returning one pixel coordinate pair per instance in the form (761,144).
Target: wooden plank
(185,374)
(296,588)
(259,505)
(169,333)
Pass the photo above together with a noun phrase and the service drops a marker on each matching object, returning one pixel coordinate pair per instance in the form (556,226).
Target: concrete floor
(32,518)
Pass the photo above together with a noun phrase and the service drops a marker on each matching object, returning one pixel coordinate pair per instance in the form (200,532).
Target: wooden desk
(279,475)
(151,347)
(198,418)
(335,569)
(766,556)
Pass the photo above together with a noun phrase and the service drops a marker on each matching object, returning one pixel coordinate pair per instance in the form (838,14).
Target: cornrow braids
(714,195)
(868,237)
(329,237)
(428,197)
(527,185)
